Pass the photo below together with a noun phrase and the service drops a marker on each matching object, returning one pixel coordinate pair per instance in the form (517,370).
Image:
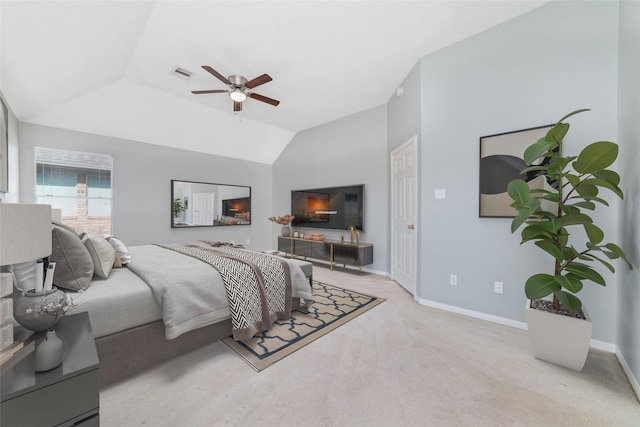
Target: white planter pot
(558,339)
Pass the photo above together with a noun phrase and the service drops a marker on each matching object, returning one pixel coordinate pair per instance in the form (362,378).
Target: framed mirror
(203,204)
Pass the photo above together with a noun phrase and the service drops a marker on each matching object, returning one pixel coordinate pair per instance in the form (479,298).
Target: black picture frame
(501,160)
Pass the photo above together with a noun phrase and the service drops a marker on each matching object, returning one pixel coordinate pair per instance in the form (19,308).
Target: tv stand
(334,251)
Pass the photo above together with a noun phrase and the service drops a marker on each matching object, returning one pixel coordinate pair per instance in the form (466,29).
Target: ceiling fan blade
(263,98)
(237,106)
(260,80)
(198,92)
(222,78)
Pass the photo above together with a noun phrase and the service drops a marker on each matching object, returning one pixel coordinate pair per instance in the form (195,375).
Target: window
(77,183)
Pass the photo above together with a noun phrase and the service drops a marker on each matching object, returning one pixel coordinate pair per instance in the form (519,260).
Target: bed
(163,301)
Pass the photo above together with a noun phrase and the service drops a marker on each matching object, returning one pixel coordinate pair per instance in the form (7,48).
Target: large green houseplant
(577,181)
(552,217)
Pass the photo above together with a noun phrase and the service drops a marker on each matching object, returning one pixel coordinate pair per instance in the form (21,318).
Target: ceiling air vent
(181,72)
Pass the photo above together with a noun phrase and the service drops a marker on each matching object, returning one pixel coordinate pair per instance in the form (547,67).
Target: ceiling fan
(239,88)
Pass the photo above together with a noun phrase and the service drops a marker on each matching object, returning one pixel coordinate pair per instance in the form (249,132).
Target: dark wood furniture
(67,395)
(334,251)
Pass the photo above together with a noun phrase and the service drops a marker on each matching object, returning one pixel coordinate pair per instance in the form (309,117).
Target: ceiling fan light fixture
(237,95)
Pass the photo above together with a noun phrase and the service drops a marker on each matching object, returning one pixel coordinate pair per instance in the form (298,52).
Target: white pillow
(102,254)
(121,248)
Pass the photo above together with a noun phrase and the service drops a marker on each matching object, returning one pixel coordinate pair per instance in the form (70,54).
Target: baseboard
(627,370)
(471,313)
(600,345)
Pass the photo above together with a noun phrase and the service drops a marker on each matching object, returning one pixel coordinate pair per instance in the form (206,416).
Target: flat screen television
(235,207)
(334,208)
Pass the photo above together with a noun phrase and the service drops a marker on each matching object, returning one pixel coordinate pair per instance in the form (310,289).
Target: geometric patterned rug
(333,306)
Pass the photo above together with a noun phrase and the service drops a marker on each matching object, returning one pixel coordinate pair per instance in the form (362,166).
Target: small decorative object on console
(284,220)
(314,236)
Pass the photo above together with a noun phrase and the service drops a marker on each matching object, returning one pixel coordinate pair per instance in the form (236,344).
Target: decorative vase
(27,309)
(286,231)
(49,352)
(561,340)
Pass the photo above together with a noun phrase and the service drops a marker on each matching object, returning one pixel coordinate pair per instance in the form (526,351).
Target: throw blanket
(258,286)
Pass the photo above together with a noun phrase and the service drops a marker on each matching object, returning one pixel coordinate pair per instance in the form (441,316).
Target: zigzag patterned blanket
(258,285)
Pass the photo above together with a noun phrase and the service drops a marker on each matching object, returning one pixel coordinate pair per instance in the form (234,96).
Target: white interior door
(203,208)
(404,214)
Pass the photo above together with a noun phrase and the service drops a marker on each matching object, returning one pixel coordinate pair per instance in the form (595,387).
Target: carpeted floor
(333,306)
(400,364)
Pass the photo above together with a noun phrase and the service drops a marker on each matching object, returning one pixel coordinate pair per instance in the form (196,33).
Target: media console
(334,251)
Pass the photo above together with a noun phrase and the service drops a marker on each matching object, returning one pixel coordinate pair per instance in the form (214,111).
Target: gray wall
(351,150)
(629,138)
(527,72)
(142,174)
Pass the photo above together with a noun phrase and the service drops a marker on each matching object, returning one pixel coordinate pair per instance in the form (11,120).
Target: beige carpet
(400,364)
(333,306)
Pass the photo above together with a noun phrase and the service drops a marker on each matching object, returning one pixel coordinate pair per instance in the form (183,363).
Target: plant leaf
(570,301)
(573,113)
(586,190)
(574,180)
(549,247)
(558,132)
(596,157)
(518,190)
(569,282)
(537,150)
(568,253)
(609,176)
(583,271)
(586,205)
(593,198)
(594,232)
(618,251)
(605,263)
(602,183)
(540,285)
(575,219)
(570,210)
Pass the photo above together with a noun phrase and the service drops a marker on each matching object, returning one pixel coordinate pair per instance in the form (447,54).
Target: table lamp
(25,236)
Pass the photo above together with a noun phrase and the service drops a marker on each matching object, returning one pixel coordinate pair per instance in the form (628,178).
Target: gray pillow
(74,266)
(102,254)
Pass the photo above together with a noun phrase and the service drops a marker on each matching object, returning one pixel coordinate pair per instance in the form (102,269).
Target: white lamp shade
(25,232)
(56,214)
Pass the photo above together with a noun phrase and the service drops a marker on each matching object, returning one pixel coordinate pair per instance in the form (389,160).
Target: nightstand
(66,395)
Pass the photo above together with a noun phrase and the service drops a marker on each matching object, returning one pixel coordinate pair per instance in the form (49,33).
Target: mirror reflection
(202,204)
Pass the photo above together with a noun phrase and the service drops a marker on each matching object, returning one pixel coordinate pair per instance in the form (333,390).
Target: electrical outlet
(441,193)
(497,287)
(453,279)
(248,241)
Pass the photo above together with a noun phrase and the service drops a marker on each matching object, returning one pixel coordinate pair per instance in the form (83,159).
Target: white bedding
(124,300)
(120,302)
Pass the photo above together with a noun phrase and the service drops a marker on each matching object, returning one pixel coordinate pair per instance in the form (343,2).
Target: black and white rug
(333,306)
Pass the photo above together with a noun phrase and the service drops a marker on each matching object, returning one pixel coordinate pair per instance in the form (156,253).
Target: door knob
(411,226)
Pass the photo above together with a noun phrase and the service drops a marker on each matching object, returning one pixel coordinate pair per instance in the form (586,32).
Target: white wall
(348,151)
(528,72)
(142,175)
(629,138)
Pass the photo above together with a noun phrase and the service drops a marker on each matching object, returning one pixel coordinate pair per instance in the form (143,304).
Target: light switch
(441,193)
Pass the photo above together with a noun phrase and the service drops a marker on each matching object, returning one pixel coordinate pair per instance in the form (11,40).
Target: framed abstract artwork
(4,148)
(501,160)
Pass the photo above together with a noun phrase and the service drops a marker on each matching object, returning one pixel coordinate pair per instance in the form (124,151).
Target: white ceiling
(106,67)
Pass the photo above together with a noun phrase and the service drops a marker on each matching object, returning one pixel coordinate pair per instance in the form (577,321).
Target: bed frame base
(130,352)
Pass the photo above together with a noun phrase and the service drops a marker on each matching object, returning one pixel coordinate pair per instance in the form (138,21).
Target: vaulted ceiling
(107,67)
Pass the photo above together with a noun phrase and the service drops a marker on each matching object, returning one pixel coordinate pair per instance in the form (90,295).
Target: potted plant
(178,207)
(552,217)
